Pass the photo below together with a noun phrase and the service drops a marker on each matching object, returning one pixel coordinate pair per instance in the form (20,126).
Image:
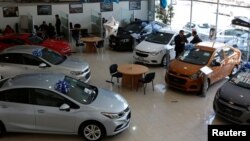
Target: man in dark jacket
(180,41)
(58,25)
(196,38)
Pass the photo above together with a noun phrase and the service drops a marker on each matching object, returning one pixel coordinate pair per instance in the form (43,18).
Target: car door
(16,112)
(32,64)
(217,65)
(49,118)
(11,64)
(230,60)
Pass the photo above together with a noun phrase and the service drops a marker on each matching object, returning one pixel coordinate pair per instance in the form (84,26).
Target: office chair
(99,46)
(114,72)
(147,79)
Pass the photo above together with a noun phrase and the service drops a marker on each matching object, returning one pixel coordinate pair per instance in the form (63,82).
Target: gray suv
(30,58)
(55,103)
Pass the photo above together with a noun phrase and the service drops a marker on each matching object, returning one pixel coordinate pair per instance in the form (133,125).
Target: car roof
(41,80)
(210,45)
(168,30)
(22,49)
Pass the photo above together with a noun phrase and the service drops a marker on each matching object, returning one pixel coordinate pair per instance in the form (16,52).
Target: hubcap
(92,132)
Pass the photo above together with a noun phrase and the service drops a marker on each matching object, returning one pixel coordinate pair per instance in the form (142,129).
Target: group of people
(48,31)
(180,41)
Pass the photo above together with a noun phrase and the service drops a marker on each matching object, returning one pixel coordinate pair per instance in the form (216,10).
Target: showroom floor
(162,115)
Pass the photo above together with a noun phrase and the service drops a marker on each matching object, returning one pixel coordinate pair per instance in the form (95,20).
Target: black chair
(99,46)
(147,79)
(114,73)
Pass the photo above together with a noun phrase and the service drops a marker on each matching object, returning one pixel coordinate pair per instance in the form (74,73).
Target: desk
(131,73)
(89,41)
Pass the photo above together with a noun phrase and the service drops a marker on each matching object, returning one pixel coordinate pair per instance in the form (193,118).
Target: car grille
(235,104)
(228,110)
(178,74)
(141,54)
(173,79)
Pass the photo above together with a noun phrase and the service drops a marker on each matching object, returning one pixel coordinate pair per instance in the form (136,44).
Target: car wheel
(204,88)
(2,129)
(234,71)
(92,131)
(165,61)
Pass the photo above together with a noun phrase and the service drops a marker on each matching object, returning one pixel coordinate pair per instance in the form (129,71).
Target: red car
(60,46)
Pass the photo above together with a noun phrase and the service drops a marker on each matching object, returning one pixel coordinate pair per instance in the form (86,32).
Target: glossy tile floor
(161,115)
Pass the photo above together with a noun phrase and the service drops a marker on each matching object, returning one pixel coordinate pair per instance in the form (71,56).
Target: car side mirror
(64,107)
(215,63)
(172,43)
(42,65)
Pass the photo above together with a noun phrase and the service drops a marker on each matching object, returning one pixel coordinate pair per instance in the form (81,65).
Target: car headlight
(156,52)
(113,115)
(124,40)
(195,75)
(76,72)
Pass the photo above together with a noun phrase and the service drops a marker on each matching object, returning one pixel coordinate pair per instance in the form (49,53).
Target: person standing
(196,38)
(180,41)
(58,25)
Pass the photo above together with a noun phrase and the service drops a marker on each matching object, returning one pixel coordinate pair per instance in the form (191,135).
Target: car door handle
(4,106)
(40,111)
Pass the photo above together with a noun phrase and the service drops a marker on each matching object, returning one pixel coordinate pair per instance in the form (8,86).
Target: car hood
(108,101)
(180,67)
(150,47)
(74,64)
(235,94)
(55,44)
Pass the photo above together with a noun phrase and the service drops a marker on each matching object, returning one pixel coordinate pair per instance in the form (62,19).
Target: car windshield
(52,57)
(195,56)
(80,91)
(35,39)
(242,79)
(134,27)
(160,38)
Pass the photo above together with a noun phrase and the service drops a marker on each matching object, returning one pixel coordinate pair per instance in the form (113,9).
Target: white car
(156,48)
(31,58)
(229,33)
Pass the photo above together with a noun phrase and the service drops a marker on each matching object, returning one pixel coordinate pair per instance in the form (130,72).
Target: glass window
(17,95)
(196,56)
(48,98)
(35,39)
(31,60)
(219,56)
(14,58)
(160,38)
(80,91)
(228,51)
(52,57)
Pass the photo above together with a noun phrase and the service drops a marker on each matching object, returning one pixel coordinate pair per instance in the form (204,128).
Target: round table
(90,41)
(131,73)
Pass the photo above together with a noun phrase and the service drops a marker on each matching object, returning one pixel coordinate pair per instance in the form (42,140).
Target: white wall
(83,18)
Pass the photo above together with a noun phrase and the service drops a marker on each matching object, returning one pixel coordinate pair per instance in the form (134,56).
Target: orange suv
(184,72)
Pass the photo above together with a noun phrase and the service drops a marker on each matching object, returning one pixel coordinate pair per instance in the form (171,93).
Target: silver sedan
(55,103)
(30,58)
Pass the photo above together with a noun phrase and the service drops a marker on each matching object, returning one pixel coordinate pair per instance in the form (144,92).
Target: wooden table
(131,73)
(90,41)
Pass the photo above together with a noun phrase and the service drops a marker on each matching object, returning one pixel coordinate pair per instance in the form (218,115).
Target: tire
(234,71)
(2,129)
(204,88)
(92,131)
(164,61)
